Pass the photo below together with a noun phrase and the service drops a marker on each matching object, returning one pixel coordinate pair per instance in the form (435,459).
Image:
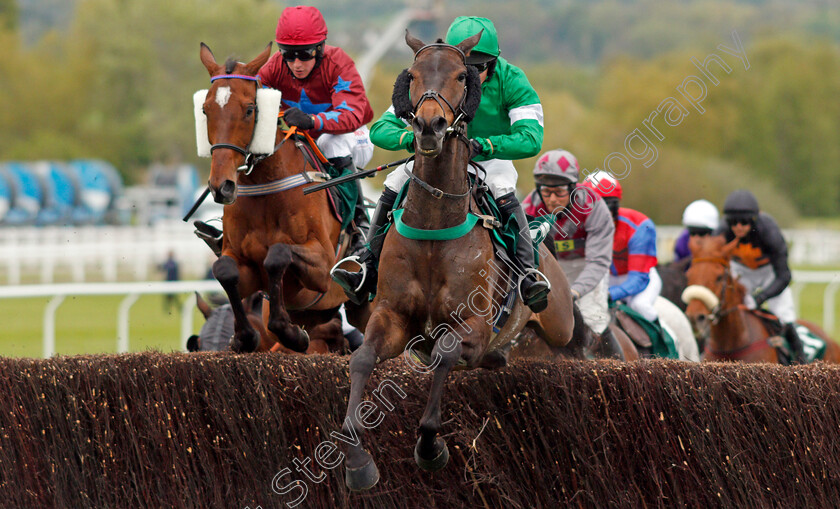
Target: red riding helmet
(604,184)
(301,25)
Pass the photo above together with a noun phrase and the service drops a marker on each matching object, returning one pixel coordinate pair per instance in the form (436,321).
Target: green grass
(87,325)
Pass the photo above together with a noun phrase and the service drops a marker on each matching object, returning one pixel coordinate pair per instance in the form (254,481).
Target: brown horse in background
(714,306)
(282,243)
(585,343)
(436,298)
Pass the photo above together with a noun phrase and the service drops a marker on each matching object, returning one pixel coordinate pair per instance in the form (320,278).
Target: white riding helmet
(701,214)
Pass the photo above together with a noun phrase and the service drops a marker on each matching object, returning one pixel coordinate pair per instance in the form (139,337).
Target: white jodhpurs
(643,302)
(781,305)
(594,306)
(356,144)
(501,176)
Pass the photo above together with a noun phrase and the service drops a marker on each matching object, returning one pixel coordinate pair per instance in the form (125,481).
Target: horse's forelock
(230,65)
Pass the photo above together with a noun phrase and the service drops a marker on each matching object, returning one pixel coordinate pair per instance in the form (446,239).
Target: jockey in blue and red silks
(633,276)
(322,94)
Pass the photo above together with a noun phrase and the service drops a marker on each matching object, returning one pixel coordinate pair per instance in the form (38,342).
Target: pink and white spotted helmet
(556,167)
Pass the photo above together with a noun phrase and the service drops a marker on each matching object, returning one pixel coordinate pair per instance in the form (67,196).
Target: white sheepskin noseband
(265,130)
(701,293)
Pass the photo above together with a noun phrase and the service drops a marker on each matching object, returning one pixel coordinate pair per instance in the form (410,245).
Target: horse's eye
(462,76)
(410,77)
(250,110)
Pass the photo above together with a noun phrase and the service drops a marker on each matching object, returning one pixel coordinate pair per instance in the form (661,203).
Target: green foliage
(115,82)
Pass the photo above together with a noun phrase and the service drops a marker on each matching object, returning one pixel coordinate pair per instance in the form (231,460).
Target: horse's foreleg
(385,339)
(245,338)
(431,453)
(278,259)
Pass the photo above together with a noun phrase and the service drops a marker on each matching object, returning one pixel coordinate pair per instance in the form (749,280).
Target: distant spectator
(170,269)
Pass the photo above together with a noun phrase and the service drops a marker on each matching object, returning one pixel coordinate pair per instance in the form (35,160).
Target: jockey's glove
(476,148)
(295,117)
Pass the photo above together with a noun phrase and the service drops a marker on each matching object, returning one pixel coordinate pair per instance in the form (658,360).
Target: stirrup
(527,272)
(364,271)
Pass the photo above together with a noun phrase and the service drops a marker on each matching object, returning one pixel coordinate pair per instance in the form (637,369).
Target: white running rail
(132,292)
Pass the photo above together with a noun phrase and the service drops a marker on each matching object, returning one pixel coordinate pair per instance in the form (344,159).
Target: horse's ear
(728,248)
(469,43)
(208,59)
(400,97)
(414,43)
(254,65)
(473,98)
(202,306)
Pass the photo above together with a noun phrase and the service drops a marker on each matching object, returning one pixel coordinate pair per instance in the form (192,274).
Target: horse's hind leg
(278,259)
(245,338)
(431,453)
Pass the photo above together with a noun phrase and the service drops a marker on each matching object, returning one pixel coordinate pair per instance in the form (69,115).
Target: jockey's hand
(758,298)
(749,301)
(475,148)
(295,117)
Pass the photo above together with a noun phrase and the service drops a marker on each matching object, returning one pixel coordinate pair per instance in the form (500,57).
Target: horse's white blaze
(222,96)
(701,293)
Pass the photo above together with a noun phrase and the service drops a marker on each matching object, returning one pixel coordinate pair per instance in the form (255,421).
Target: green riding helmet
(467,26)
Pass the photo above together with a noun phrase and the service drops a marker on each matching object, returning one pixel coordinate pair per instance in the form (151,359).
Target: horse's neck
(731,332)
(447,172)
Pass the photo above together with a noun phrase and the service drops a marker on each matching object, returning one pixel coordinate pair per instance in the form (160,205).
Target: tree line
(115,82)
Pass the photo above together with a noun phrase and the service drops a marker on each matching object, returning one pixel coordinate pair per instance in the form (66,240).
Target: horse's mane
(230,64)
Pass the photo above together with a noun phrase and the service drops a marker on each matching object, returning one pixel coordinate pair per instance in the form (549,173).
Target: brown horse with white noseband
(441,285)
(275,238)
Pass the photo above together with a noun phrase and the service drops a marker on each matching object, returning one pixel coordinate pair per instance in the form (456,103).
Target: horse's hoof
(245,343)
(438,462)
(362,478)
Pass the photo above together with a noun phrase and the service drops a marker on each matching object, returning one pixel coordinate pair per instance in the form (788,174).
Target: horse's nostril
(439,124)
(228,188)
(418,124)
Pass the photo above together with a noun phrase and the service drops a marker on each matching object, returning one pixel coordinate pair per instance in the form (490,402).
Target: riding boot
(797,351)
(360,216)
(211,236)
(357,285)
(533,291)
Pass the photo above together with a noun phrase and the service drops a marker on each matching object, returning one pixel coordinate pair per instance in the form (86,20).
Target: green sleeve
(525,140)
(391,133)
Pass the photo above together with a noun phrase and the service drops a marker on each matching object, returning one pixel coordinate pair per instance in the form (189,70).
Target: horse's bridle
(250,159)
(716,314)
(457,128)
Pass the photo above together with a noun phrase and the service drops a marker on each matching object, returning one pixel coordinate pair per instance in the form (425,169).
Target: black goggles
(733,220)
(699,231)
(482,66)
(303,54)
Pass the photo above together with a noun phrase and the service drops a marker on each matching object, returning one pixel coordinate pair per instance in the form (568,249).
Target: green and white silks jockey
(507,126)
